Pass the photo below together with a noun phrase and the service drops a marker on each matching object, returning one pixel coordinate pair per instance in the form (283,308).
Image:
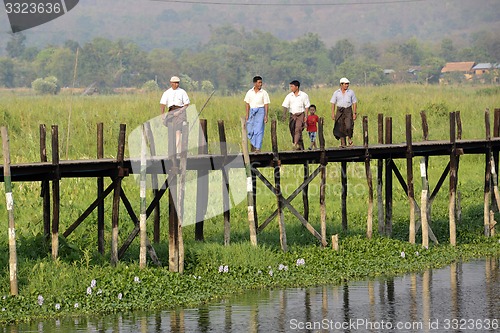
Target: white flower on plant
(300,262)
(120,296)
(3,309)
(57,306)
(417,254)
(40,300)
(271,272)
(226,269)
(221,268)
(403,255)
(99,291)
(89,290)
(93,283)
(77,305)
(259,272)
(137,280)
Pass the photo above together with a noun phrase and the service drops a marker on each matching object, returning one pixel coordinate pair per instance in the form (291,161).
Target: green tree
(7,72)
(16,45)
(342,50)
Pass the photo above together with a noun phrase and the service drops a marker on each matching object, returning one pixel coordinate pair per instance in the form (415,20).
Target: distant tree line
(231,57)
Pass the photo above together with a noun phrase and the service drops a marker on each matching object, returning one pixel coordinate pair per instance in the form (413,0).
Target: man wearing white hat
(345,113)
(175,100)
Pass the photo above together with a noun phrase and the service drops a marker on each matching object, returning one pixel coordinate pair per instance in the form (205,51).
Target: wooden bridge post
(55,193)
(100,190)
(487,175)
(277,180)
(142,191)
(305,192)
(202,184)
(250,203)
(225,184)
(173,221)
(343,166)
(460,151)
(368,171)
(116,195)
(409,176)
(45,193)
(496,134)
(453,173)
(322,186)
(424,200)
(181,191)
(10,211)
(388,179)
(380,176)
(150,140)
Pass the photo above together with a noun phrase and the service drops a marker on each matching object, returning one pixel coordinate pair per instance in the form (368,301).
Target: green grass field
(77,116)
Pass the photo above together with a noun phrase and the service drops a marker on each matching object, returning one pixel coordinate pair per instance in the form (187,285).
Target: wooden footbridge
(176,164)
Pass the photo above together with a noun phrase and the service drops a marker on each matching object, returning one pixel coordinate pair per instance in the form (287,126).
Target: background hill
(177,24)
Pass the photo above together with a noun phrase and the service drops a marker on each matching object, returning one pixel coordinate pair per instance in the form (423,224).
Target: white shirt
(177,97)
(257,99)
(296,104)
(343,100)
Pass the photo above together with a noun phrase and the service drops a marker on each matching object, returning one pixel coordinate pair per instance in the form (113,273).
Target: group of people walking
(301,113)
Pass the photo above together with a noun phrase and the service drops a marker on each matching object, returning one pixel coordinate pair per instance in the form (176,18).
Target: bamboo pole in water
(10,210)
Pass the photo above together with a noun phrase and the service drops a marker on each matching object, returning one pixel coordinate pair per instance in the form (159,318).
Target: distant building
(453,68)
(482,68)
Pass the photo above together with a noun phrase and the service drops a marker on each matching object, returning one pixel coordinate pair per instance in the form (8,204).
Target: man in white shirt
(297,103)
(345,101)
(175,100)
(256,108)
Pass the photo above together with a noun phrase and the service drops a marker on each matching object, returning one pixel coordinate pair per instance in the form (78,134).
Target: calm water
(464,297)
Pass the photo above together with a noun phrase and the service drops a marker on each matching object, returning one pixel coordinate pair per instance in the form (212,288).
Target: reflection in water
(417,302)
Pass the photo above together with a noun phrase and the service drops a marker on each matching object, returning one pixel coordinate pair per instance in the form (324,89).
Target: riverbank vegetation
(81,281)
